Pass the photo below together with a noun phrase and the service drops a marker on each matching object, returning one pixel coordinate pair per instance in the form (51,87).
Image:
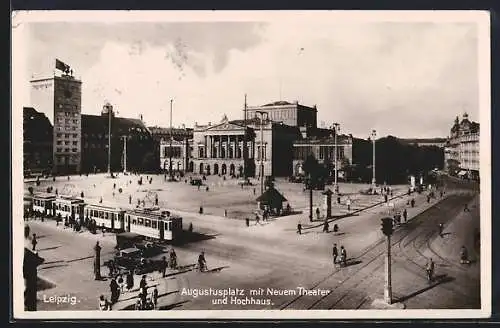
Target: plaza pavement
(266,255)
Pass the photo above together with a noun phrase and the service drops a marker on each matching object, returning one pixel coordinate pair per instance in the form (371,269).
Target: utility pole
(374,181)
(171,137)
(335,129)
(124,154)
(110,110)
(245,139)
(261,151)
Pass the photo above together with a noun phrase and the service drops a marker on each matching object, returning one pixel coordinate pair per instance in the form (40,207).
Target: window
(66,143)
(154,224)
(75,143)
(59,135)
(147,223)
(140,221)
(75,121)
(74,150)
(59,142)
(66,135)
(66,150)
(134,221)
(58,150)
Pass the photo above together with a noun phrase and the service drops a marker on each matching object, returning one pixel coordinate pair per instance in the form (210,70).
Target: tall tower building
(60,99)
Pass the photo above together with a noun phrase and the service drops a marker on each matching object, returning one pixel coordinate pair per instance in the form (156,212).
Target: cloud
(404,79)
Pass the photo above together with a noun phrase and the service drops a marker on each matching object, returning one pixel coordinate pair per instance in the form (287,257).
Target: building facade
(462,147)
(132,146)
(59,98)
(174,145)
(226,148)
(37,142)
(437,142)
(291,114)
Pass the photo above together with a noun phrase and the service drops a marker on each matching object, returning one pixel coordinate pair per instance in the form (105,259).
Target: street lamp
(373,136)
(261,113)
(387,229)
(124,154)
(171,137)
(110,110)
(336,127)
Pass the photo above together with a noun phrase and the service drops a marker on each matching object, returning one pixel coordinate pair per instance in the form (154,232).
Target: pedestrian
(190,228)
(143,285)
(257,219)
(429,268)
(299,229)
(441,230)
(348,204)
(405,215)
(110,268)
(335,228)
(155,297)
(428,198)
(103,303)
(247,221)
(115,290)
(34,242)
(130,199)
(464,257)
(325,226)
(121,283)
(466,208)
(338,199)
(254,191)
(156,200)
(130,280)
(385,198)
(343,256)
(202,263)
(173,259)
(317,213)
(412,202)
(335,253)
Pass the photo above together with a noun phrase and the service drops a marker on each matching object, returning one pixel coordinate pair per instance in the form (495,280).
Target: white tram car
(69,207)
(43,203)
(106,215)
(153,223)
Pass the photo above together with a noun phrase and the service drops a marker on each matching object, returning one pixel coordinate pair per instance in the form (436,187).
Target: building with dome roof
(462,148)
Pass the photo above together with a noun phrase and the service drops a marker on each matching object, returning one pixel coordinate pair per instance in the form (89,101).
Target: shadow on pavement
(53,266)
(438,280)
(42,284)
(193,237)
(172,306)
(80,259)
(48,248)
(219,269)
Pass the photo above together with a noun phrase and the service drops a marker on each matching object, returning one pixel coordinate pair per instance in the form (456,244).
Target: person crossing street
(335,254)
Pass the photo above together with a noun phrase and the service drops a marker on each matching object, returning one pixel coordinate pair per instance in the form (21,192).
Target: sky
(406,79)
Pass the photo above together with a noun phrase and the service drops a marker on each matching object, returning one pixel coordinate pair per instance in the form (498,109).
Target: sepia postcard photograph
(251,165)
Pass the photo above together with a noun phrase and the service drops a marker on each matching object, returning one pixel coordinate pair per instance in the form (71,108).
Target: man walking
(405,215)
(335,254)
(164,265)
(299,229)
(343,255)
(325,226)
(34,242)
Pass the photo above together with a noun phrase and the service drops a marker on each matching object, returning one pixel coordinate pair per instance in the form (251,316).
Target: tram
(153,223)
(42,203)
(69,207)
(106,215)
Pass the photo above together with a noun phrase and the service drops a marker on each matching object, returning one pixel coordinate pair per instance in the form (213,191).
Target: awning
(462,173)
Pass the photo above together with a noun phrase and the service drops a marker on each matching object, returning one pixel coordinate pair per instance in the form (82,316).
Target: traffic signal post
(387,302)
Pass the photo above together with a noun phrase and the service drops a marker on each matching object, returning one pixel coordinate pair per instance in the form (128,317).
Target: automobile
(128,258)
(244,182)
(150,249)
(196,182)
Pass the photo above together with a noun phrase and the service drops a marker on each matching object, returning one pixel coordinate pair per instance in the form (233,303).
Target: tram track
(376,251)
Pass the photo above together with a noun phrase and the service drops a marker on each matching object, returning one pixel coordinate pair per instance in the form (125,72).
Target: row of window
(60,142)
(66,128)
(67,121)
(66,150)
(101,214)
(67,135)
(67,106)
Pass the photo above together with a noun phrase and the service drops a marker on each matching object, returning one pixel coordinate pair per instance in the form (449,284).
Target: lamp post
(110,110)
(261,113)
(335,129)
(170,148)
(373,136)
(124,154)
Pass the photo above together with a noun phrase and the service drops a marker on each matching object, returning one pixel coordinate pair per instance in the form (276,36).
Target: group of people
(343,255)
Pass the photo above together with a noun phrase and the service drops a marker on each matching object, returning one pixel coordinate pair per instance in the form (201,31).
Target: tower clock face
(67,93)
